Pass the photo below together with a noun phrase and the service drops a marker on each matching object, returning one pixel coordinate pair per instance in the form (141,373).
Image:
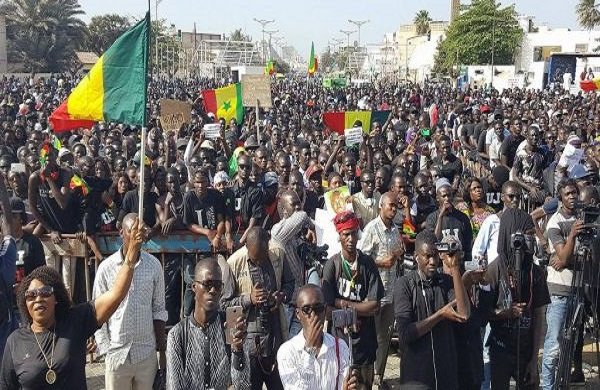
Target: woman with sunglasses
(49,351)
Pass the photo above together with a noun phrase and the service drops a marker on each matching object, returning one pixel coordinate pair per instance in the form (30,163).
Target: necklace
(50,374)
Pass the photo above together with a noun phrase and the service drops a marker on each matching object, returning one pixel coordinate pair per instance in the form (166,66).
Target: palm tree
(421,21)
(43,34)
(588,14)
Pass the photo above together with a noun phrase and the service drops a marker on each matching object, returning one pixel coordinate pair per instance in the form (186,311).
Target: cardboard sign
(212,130)
(174,113)
(256,87)
(353,136)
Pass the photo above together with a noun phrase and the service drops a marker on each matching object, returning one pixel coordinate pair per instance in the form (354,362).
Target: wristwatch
(312,351)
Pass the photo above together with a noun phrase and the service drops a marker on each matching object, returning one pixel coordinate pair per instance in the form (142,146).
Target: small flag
(590,85)
(409,228)
(225,102)
(270,67)
(313,63)
(78,182)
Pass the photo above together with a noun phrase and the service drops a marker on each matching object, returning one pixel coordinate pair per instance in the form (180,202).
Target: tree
(326,61)
(421,21)
(485,32)
(103,30)
(588,14)
(238,35)
(43,34)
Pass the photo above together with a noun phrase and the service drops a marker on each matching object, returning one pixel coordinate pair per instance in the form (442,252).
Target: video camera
(591,221)
(313,256)
(448,247)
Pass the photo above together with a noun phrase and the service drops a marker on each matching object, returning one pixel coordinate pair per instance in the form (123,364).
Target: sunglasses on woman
(44,292)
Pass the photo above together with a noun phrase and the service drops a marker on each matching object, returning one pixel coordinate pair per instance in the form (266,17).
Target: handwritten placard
(353,136)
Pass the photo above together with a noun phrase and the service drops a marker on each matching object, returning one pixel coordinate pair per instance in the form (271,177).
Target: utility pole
(263,23)
(348,33)
(270,33)
(493,45)
(358,23)
(156,3)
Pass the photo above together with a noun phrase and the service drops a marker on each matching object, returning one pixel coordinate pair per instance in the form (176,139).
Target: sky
(301,21)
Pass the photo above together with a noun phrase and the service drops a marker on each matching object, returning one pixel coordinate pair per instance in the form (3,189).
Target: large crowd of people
(429,263)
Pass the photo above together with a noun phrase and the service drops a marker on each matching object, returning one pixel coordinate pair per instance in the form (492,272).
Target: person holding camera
(562,230)
(351,282)
(515,304)
(382,242)
(260,282)
(313,359)
(218,365)
(426,303)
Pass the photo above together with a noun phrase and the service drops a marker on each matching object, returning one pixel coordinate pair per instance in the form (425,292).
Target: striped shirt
(128,335)
(300,370)
(225,368)
(287,232)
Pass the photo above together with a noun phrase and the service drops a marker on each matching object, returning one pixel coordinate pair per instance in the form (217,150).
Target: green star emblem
(227,105)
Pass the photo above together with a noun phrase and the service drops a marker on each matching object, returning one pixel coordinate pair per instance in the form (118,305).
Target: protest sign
(256,90)
(174,113)
(353,136)
(338,200)
(212,130)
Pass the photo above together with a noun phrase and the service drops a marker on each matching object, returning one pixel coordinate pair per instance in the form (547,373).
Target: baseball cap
(207,144)
(579,172)
(63,152)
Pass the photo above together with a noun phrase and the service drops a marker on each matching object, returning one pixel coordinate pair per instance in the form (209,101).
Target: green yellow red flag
(225,102)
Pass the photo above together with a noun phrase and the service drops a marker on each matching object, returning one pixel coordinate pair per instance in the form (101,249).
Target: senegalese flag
(225,102)
(78,182)
(313,63)
(115,88)
(590,85)
(339,121)
(270,67)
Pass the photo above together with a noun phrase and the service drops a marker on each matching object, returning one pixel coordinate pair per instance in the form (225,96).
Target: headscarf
(233,160)
(511,221)
(346,220)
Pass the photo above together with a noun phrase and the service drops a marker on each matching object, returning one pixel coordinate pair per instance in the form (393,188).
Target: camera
(313,256)
(522,242)
(591,221)
(448,247)
(344,318)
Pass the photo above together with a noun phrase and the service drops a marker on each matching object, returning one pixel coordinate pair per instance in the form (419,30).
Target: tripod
(573,319)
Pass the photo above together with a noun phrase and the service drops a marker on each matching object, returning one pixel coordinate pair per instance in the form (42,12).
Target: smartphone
(426,132)
(232,314)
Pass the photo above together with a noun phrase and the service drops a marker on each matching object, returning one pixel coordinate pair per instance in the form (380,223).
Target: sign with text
(256,87)
(353,136)
(174,113)
(212,130)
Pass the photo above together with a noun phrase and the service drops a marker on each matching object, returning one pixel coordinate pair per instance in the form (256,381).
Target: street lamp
(270,33)
(348,33)
(263,23)
(358,23)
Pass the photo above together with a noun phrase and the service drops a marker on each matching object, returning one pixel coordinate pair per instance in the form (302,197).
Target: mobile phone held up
(232,314)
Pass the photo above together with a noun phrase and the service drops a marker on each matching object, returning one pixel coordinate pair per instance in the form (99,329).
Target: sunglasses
(244,166)
(513,196)
(317,308)
(44,292)
(210,284)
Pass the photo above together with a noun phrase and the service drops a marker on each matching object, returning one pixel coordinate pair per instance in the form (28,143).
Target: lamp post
(348,33)
(358,24)
(263,23)
(270,33)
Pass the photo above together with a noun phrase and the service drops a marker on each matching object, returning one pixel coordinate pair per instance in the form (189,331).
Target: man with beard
(447,163)
(249,203)
(351,280)
(508,149)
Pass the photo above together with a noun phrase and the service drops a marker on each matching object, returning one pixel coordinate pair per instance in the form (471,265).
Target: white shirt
(486,242)
(129,332)
(300,370)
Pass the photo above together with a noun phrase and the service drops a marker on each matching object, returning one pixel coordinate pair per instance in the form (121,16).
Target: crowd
(458,239)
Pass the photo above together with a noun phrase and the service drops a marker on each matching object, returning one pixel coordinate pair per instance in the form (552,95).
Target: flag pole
(144,129)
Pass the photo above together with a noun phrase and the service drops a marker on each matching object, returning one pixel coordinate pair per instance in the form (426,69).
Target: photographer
(561,231)
(351,280)
(426,303)
(515,303)
(288,233)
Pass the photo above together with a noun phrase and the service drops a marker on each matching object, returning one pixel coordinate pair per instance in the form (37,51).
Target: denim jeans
(555,318)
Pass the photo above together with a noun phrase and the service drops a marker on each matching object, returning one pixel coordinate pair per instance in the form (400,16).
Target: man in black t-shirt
(351,280)
(508,149)
(131,203)
(448,221)
(249,202)
(447,163)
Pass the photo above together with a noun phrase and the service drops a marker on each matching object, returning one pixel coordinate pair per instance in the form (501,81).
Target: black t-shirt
(204,212)
(534,292)
(414,301)
(493,196)
(367,286)
(229,203)
(34,252)
(24,367)
(481,142)
(66,220)
(509,148)
(449,169)
(249,203)
(456,224)
(131,204)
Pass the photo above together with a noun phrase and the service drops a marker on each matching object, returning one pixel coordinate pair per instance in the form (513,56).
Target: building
(454,9)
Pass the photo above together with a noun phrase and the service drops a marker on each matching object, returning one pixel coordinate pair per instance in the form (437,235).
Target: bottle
(20,263)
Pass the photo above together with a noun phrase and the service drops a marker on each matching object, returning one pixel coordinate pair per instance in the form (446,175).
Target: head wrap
(221,177)
(346,220)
